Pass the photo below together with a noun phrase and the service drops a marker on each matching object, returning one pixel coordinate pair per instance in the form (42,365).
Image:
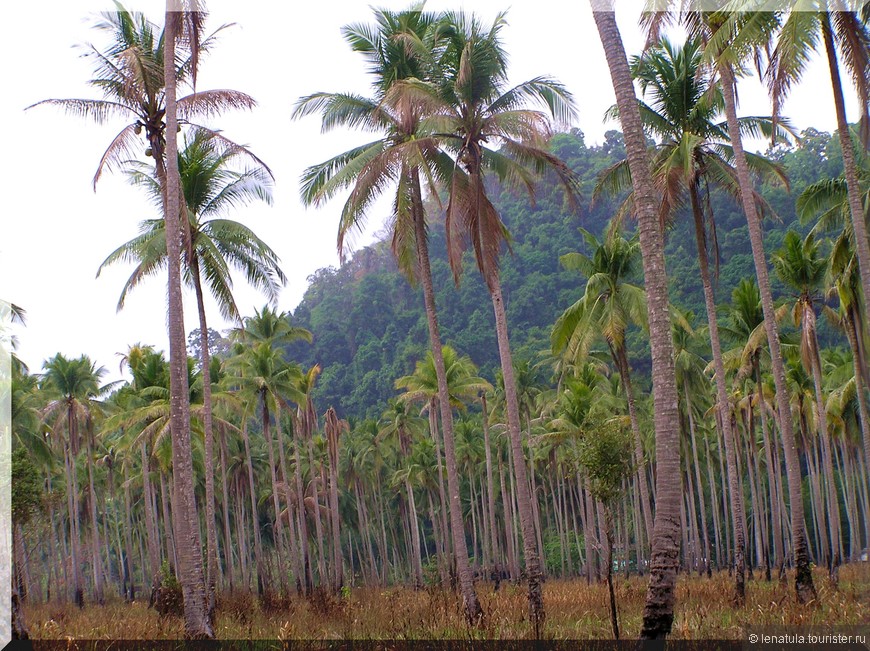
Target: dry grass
(574,610)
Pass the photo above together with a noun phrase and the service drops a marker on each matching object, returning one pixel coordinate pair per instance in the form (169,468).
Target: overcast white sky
(56,230)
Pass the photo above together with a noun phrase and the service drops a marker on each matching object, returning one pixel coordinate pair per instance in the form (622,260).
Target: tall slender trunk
(803,578)
(196,619)
(262,579)
(490,492)
(698,481)
(300,505)
(150,526)
(276,501)
(211,568)
(333,431)
(771,455)
(473,611)
(724,421)
(620,359)
(96,556)
(608,533)
(228,546)
(537,614)
(128,540)
(850,169)
(506,500)
(318,521)
(834,524)
(860,388)
(73,509)
(659,609)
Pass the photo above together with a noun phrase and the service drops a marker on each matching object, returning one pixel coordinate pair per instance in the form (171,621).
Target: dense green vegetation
(369,327)
(556,409)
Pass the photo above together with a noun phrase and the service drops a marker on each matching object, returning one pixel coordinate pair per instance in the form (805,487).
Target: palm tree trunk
(659,609)
(803,579)
(860,389)
(262,579)
(303,521)
(490,492)
(211,568)
(608,532)
(537,614)
(850,170)
(698,481)
(295,554)
(196,620)
(73,509)
(834,523)
(318,521)
(150,527)
(473,611)
(276,501)
(228,546)
(621,362)
(95,527)
(771,453)
(724,421)
(507,507)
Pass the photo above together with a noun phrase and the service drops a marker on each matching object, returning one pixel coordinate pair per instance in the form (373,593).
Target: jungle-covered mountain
(368,323)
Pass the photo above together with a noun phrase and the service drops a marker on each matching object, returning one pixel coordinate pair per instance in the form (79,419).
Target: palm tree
(659,609)
(609,305)
(131,73)
(210,187)
(399,422)
(732,38)
(828,199)
(802,266)
(477,108)
(75,383)
(848,32)
(198,620)
(694,152)
(399,48)
(334,429)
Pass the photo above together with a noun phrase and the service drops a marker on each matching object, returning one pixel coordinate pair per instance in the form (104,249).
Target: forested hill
(369,326)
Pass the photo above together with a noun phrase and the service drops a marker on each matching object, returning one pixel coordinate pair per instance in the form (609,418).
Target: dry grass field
(574,611)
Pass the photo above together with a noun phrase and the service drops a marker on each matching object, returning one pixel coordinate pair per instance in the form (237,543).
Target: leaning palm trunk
(537,614)
(211,568)
(722,404)
(804,578)
(473,611)
(658,614)
(850,170)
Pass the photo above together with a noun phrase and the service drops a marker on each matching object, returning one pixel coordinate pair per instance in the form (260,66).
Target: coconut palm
(609,305)
(210,188)
(478,111)
(659,608)
(828,200)
(685,114)
(847,32)
(400,47)
(731,39)
(802,266)
(74,383)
